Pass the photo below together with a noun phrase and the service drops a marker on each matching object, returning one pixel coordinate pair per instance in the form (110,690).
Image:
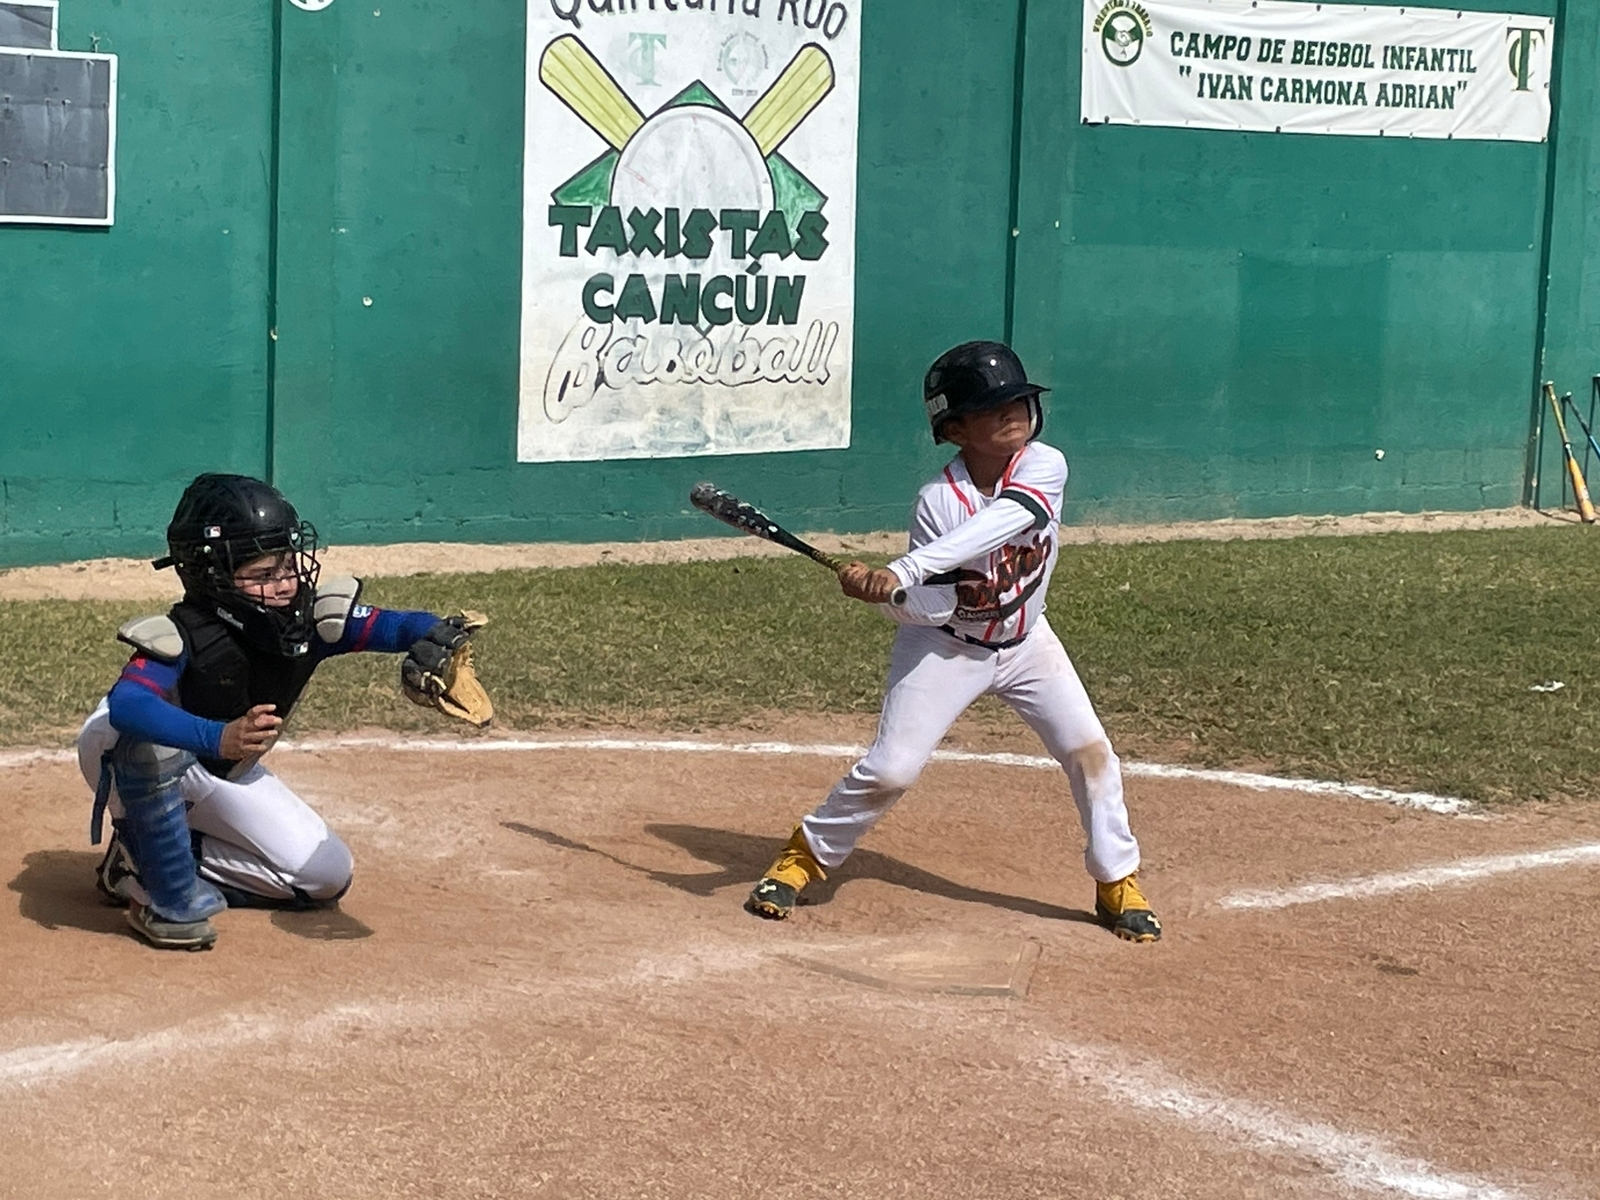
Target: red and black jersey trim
(1041,515)
(1010,608)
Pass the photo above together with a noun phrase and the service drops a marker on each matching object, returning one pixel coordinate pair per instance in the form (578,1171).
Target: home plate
(966,967)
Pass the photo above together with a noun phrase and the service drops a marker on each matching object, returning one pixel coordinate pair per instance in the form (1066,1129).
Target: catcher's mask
(223,522)
(975,377)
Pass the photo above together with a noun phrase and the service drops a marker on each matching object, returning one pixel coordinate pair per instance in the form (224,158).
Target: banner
(688,260)
(1275,67)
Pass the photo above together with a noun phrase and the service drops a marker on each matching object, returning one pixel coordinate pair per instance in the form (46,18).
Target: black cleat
(170,935)
(772,899)
(1122,908)
(114,875)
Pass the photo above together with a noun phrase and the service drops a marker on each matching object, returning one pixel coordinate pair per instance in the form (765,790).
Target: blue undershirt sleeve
(140,709)
(388,631)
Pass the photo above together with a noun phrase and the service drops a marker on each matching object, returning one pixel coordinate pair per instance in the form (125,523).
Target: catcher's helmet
(223,522)
(976,376)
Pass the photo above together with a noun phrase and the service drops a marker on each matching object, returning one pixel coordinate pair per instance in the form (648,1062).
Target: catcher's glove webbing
(437,671)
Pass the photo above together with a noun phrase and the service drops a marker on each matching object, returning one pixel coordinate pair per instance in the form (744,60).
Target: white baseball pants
(933,678)
(257,835)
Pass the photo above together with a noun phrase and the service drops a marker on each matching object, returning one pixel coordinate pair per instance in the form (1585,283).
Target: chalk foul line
(23,758)
(1465,870)
(24,1068)
(1425,801)
(1446,805)
(1358,1161)
(28,1066)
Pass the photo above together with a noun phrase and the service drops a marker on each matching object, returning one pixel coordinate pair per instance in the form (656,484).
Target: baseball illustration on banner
(311,5)
(688,273)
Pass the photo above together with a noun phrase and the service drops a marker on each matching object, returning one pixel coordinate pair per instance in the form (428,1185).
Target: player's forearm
(923,606)
(389,631)
(139,713)
(973,538)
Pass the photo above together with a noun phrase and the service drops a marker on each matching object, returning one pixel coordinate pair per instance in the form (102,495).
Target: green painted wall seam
(270,465)
(1013,217)
(1547,225)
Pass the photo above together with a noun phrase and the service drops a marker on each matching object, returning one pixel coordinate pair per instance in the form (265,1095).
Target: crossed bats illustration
(569,70)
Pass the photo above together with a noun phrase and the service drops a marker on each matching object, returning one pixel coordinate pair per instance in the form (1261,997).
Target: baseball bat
(1588,430)
(799,89)
(731,510)
(576,76)
(1580,490)
(1594,398)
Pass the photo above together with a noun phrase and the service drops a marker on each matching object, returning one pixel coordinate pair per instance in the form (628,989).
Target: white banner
(1275,67)
(688,260)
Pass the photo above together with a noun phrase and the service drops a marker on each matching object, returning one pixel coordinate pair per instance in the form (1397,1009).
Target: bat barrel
(799,89)
(569,70)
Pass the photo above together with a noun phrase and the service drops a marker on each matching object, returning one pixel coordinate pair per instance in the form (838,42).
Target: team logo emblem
(1123,27)
(311,5)
(1520,58)
(743,57)
(642,48)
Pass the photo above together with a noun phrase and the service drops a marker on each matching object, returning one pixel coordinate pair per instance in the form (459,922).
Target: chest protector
(226,676)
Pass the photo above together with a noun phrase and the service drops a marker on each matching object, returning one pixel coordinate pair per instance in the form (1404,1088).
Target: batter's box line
(1464,871)
(1357,1161)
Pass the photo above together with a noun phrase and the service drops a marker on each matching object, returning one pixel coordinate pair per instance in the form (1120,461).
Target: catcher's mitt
(437,671)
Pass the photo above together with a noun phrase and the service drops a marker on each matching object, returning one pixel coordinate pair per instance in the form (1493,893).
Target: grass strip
(1401,659)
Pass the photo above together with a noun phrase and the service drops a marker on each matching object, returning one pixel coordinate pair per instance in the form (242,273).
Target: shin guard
(155,828)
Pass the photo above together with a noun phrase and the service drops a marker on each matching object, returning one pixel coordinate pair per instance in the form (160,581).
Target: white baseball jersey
(997,551)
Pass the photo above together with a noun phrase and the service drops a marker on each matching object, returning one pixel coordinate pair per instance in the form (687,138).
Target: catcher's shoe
(1122,908)
(170,935)
(116,878)
(779,890)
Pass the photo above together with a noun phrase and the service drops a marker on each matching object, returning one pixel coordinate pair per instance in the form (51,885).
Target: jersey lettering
(981,596)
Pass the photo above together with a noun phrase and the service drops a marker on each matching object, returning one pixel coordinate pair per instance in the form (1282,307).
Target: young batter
(970,597)
(174,749)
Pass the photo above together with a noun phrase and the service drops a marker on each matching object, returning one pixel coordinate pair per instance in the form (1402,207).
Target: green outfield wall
(315,274)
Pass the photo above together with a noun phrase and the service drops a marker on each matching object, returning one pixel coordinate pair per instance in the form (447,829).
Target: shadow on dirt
(742,858)
(57,891)
(323,925)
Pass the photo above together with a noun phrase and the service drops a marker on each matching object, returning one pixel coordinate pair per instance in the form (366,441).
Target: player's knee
(1094,761)
(144,768)
(327,873)
(889,774)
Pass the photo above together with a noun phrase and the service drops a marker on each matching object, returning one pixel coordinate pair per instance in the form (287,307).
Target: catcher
(174,749)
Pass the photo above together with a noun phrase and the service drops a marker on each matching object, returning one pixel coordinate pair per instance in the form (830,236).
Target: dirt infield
(543,984)
(132,578)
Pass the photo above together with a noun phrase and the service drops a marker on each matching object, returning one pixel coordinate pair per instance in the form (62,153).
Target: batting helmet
(976,376)
(223,522)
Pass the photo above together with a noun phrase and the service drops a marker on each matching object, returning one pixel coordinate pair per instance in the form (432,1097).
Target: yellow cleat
(779,890)
(1122,908)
